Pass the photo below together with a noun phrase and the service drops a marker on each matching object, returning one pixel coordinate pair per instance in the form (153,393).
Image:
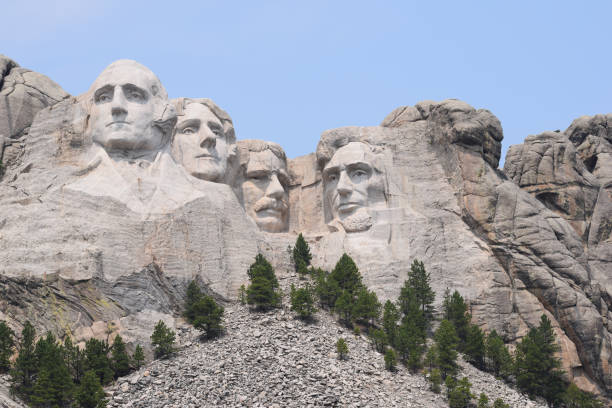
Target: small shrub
(435,380)
(357,331)
(90,393)
(379,340)
(460,396)
(390,359)
(163,340)
(242,295)
(342,349)
(499,403)
(138,357)
(483,401)
(302,302)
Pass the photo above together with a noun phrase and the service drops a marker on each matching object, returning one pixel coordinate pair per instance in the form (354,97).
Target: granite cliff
(112,201)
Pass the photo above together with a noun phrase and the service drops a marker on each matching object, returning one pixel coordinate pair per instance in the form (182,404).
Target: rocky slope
(273,360)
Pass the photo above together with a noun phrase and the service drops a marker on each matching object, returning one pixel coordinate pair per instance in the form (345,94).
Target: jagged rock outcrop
(23,93)
(103,223)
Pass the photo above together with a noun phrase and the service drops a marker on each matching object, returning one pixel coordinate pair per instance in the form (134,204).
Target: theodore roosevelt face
(351,185)
(200,143)
(123,109)
(264,191)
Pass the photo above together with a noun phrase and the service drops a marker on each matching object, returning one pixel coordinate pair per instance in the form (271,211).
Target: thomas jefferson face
(200,144)
(263,191)
(123,109)
(351,185)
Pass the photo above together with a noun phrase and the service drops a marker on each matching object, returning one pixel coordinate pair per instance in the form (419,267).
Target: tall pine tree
(53,386)
(120,359)
(25,368)
(301,253)
(537,368)
(419,280)
(7,343)
(446,347)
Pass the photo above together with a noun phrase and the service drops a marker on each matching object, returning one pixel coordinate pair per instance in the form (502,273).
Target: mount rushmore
(114,200)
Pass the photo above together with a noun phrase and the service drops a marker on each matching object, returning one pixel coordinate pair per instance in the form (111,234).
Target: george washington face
(125,101)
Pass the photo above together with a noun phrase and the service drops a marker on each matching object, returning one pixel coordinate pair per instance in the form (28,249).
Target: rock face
(103,223)
(23,94)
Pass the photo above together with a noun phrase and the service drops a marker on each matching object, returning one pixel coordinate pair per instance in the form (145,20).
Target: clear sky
(287,70)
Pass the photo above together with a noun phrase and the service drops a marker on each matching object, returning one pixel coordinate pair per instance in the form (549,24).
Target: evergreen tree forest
(50,373)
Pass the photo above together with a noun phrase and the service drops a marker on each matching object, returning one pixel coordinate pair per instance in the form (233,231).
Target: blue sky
(288,70)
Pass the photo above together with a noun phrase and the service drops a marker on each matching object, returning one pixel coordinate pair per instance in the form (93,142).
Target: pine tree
(261,293)
(53,386)
(410,343)
(390,359)
(346,275)
(193,296)
(483,401)
(411,309)
(207,317)
(96,359)
(120,358)
(25,368)
(499,403)
(435,378)
(163,340)
(262,268)
(74,359)
(138,357)
(242,295)
(342,349)
(262,290)
(344,307)
(456,312)
(379,340)
(431,357)
(301,254)
(7,343)
(474,348)
(446,345)
(498,358)
(574,397)
(390,319)
(302,302)
(537,369)
(91,394)
(366,307)
(460,395)
(419,280)
(327,289)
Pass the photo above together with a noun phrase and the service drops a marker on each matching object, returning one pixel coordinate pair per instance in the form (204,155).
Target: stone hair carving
(262,183)
(204,140)
(354,180)
(129,112)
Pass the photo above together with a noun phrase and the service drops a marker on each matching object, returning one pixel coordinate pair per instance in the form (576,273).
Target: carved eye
(216,130)
(189,130)
(137,96)
(359,174)
(332,177)
(104,97)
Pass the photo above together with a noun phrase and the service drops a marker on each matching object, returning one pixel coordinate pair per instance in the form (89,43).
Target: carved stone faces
(125,102)
(263,185)
(200,143)
(352,184)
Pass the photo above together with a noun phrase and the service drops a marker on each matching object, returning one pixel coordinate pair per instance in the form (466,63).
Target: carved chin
(270,222)
(359,220)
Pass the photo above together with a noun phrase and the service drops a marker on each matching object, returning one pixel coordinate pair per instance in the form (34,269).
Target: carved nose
(275,188)
(344,186)
(209,142)
(118,111)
